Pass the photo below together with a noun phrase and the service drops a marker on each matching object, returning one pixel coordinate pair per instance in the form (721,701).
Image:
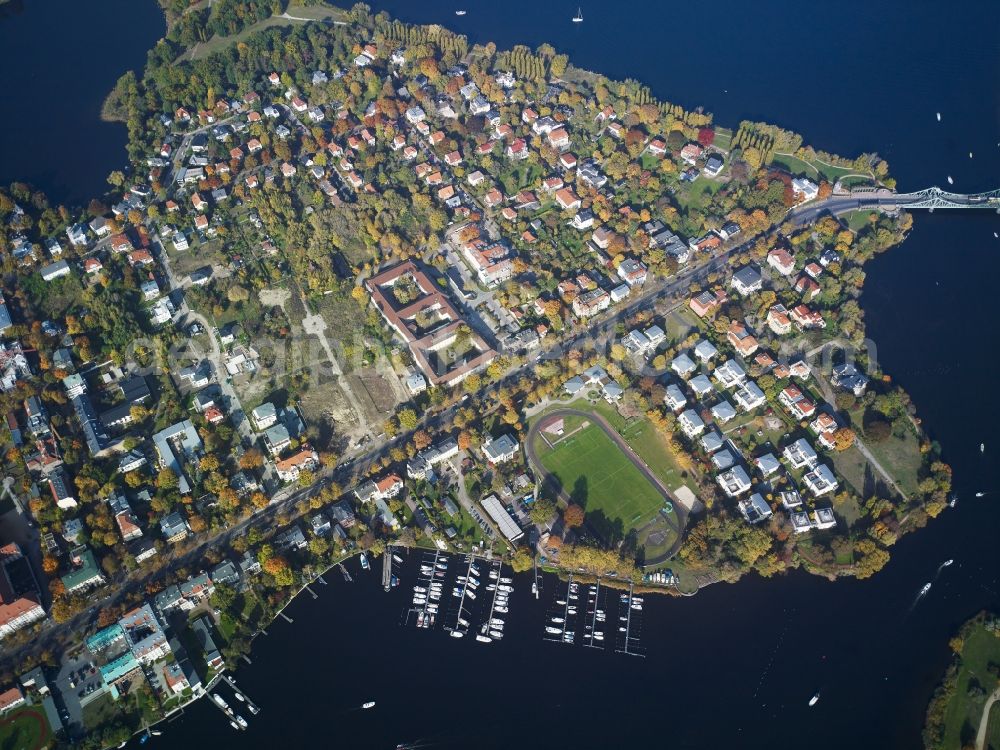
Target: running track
(681,512)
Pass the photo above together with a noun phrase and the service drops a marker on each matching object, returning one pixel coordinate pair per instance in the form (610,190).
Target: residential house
(691,424)
(500,450)
(85,573)
(741,339)
(820,480)
(735,481)
(747,280)
(781,261)
(800,454)
(755,509)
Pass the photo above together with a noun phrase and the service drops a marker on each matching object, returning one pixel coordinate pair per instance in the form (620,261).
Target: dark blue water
(60,58)
(735,665)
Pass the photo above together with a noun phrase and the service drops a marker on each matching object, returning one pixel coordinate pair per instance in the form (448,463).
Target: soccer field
(596,474)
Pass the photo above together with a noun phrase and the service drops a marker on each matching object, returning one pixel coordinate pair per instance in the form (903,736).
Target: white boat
(496,634)
(364,561)
(946,563)
(234,725)
(495,621)
(501,610)
(980,494)
(939,120)
(253,709)
(471,595)
(239,697)
(561,602)
(463,622)
(484,639)
(420,589)
(397,558)
(982,446)
(599,635)
(815,699)
(925,589)
(367,705)
(950,181)
(241,721)
(219,700)
(457,634)
(578,18)
(558,619)
(459,12)
(552,630)
(506,580)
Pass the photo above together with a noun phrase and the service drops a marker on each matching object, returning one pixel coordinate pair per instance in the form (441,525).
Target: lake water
(735,665)
(60,58)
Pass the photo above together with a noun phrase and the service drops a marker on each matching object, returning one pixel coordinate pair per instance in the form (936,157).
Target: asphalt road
(598,331)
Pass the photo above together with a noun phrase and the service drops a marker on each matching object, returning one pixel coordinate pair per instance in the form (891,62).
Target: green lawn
(723,138)
(858,220)
(899,454)
(312,13)
(99,711)
(25,728)
(812,169)
(598,476)
(964,712)
(851,465)
(698,194)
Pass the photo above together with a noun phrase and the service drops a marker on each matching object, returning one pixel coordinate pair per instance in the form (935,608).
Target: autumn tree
(573,516)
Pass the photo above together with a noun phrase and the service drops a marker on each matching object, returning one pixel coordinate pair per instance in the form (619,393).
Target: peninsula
(366,285)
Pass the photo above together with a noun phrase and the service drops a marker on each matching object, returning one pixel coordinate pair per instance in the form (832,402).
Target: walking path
(984,722)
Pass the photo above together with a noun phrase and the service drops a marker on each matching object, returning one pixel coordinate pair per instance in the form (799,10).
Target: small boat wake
(941,567)
(925,589)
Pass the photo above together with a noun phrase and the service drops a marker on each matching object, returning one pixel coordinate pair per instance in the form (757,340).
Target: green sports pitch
(592,470)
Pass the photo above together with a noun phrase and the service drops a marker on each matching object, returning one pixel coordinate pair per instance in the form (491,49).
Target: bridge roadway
(887,200)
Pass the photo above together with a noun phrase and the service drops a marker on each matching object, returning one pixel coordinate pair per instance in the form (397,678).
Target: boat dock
(593,636)
(347,576)
(227,711)
(387,568)
(427,589)
(629,623)
(465,597)
(560,621)
(254,707)
(536,585)
(492,627)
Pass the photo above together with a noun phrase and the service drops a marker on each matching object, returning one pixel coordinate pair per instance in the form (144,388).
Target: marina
(492,627)
(561,618)
(464,591)
(427,591)
(629,624)
(595,616)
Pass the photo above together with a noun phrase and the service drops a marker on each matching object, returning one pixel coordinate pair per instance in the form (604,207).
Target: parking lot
(77,684)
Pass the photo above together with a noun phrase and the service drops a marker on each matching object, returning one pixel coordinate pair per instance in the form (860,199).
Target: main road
(597,331)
